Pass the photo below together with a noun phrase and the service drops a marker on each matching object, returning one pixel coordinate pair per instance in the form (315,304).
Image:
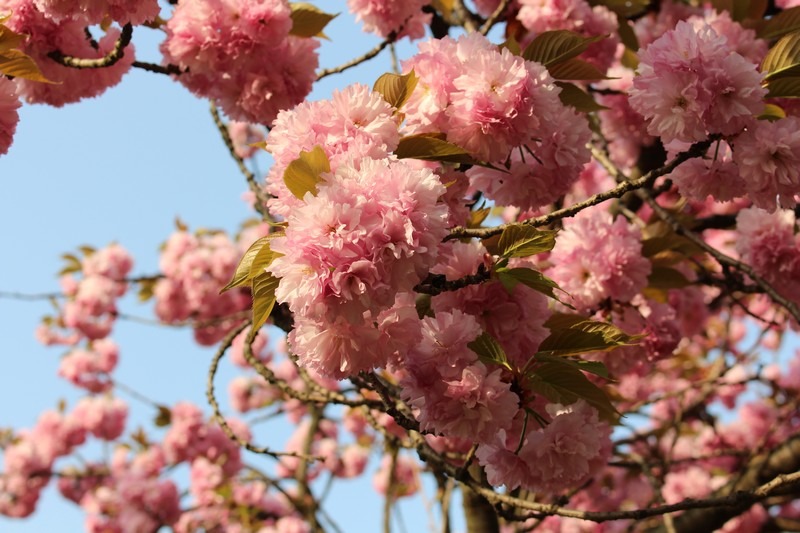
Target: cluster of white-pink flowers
(64,30)
(194,268)
(370,233)
(498,106)
(241,55)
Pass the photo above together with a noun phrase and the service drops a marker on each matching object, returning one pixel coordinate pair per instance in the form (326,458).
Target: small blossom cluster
(769,242)
(194,268)
(93,12)
(91,307)
(596,258)
(692,83)
(371,233)
(456,396)
(51,31)
(384,17)
(491,102)
(241,55)
(355,122)
(29,460)
(538,16)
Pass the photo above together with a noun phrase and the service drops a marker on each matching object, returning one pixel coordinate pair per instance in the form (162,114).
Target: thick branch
(111,58)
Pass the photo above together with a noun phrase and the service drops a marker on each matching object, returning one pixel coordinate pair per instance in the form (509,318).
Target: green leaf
(565,384)
(574,334)
(8,38)
(308,20)
(772,112)
(626,34)
(146,289)
(73,264)
(593,367)
(629,59)
(489,350)
(576,69)
(164,417)
(242,273)
(431,147)
(662,277)
(552,47)
(783,59)
(741,9)
(573,96)
(511,277)
(396,89)
(303,174)
(784,88)
(522,240)
(17,64)
(783,23)
(512,45)
(264,287)
(477,217)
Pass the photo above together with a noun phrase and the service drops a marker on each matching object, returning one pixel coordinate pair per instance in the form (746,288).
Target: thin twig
(357,61)
(212,400)
(255,188)
(494,17)
(158,69)
(720,257)
(620,190)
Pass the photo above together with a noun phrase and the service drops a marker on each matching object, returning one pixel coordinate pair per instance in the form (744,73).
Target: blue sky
(121,168)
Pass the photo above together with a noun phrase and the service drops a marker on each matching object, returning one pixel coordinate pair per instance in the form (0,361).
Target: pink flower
(596,258)
(9,103)
(692,83)
(517,317)
(90,369)
(719,177)
(768,243)
(563,454)
(355,123)
(371,232)
(69,37)
(538,16)
(196,267)
(103,416)
(223,43)
(383,17)
(404,479)
(92,12)
(768,156)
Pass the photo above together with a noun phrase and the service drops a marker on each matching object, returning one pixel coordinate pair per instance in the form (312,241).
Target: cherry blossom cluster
(241,55)
(502,109)
(60,26)
(457,343)
(194,267)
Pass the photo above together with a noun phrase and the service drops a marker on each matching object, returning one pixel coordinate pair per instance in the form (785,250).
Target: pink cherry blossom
(768,154)
(596,258)
(691,83)
(222,45)
(9,103)
(383,17)
(68,37)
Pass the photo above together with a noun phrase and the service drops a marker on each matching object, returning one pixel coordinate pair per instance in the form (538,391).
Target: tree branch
(110,59)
